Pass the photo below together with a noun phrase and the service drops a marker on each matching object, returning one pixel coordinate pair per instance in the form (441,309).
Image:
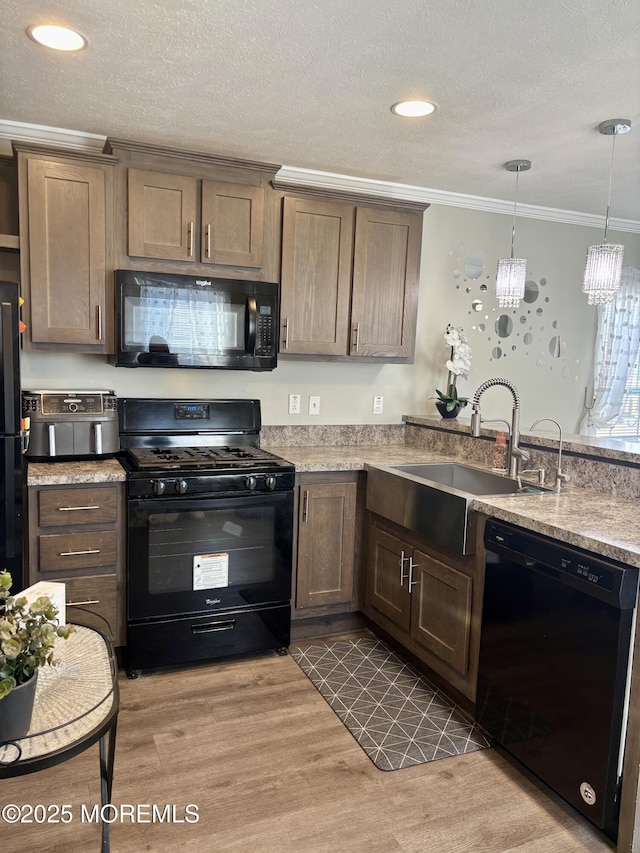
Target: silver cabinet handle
(357,331)
(190,239)
(79,553)
(286,333)
(305,507)
(75,508)
(99,321)
(403,560)
(51,430)
(412,566)
(208,250)
(82,603)
(97,432)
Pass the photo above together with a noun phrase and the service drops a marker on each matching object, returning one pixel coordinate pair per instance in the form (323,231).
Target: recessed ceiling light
(58,38)
(413,109)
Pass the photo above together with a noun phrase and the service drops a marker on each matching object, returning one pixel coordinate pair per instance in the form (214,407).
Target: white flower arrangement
(460,361)
(459,364)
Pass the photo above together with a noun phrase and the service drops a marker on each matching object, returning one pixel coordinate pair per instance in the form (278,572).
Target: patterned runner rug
(396,716)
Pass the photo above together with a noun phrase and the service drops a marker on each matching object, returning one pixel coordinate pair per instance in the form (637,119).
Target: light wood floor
(272,770)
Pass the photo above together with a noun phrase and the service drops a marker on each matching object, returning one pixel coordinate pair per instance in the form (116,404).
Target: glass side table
(76,704)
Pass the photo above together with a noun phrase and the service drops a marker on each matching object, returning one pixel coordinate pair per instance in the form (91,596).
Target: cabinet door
(92,600)
(67,251)
(326,542)
(232,224)
(384,301)
(387,578)
(162,214)
(317,245)
(441,610)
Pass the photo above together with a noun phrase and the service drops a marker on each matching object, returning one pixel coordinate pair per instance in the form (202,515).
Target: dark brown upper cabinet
(350,278)
(205,214)
(66,224)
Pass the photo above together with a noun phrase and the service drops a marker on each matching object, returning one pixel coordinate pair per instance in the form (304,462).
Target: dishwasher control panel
(550,556)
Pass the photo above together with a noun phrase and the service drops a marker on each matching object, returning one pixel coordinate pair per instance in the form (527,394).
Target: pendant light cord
(606,220)
(515,210)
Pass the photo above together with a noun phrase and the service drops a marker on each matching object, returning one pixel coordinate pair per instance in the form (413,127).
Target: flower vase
(445,413)
(16,709)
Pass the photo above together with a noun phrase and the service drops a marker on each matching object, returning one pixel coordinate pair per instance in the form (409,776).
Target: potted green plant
(459,364)
(27,642)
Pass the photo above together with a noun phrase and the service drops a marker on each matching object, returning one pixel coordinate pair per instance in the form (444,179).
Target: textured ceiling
(309,83)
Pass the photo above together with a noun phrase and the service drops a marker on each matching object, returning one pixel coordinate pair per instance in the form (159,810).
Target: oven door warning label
(210,571)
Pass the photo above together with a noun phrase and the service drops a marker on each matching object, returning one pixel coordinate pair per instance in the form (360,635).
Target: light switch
(314,405)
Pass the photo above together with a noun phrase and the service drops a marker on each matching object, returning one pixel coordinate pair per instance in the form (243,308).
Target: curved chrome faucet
(515,452)
(561,477)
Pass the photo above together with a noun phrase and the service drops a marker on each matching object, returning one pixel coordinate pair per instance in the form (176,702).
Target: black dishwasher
(554,657)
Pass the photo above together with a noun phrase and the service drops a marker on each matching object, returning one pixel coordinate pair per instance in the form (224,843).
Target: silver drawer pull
(82,603)
(79,553)
(75,508)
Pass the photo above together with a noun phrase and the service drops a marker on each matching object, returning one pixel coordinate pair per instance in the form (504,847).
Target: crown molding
(328,181)
(17,131)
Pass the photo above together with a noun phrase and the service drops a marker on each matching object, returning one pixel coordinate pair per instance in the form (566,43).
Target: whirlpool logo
(203,282)
(212,601)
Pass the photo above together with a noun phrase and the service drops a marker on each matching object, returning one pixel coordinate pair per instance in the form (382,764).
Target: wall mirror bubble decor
(473,267)
(530,344)
(504,326)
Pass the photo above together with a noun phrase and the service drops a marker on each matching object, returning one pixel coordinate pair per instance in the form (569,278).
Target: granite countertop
(602,523)
(70,473)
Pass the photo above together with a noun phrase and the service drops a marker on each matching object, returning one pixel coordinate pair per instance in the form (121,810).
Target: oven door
(200,555)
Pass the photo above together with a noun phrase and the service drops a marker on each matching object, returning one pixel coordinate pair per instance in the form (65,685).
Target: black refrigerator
(11,459)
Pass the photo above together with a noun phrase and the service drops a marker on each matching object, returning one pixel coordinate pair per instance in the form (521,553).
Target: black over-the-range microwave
(168,320)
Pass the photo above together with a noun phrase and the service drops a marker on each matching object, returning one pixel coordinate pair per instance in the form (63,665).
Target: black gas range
(209,532)
(169,469)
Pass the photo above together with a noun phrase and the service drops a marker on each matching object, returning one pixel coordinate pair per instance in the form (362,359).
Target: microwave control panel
(265,344)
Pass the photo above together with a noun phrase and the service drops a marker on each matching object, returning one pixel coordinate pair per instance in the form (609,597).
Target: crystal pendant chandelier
(603,267)
(512,272)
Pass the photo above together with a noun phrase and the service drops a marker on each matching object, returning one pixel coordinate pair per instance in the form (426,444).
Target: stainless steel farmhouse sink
(475,481)
(433,499)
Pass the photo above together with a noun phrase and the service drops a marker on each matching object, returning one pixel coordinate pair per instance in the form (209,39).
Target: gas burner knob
(270,482)
(181,486)
(159,487)
(251,483)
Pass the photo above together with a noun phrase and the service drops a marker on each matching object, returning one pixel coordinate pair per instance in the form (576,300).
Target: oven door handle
(225,625)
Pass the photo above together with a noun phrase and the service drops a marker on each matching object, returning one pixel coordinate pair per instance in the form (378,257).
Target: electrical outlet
(314,405)
(377,405)
(294,404)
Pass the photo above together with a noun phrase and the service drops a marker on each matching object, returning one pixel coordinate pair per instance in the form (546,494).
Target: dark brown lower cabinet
(326,543)
(76,537)
(427,599)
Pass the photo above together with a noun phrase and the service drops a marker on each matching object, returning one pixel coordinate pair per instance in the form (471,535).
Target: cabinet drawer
(62,551)
(77,506)
(92,597)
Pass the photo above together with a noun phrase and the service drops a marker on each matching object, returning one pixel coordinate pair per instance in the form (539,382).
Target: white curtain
(616,351)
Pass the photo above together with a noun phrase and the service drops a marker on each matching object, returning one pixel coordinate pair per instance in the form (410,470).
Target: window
(616,378)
